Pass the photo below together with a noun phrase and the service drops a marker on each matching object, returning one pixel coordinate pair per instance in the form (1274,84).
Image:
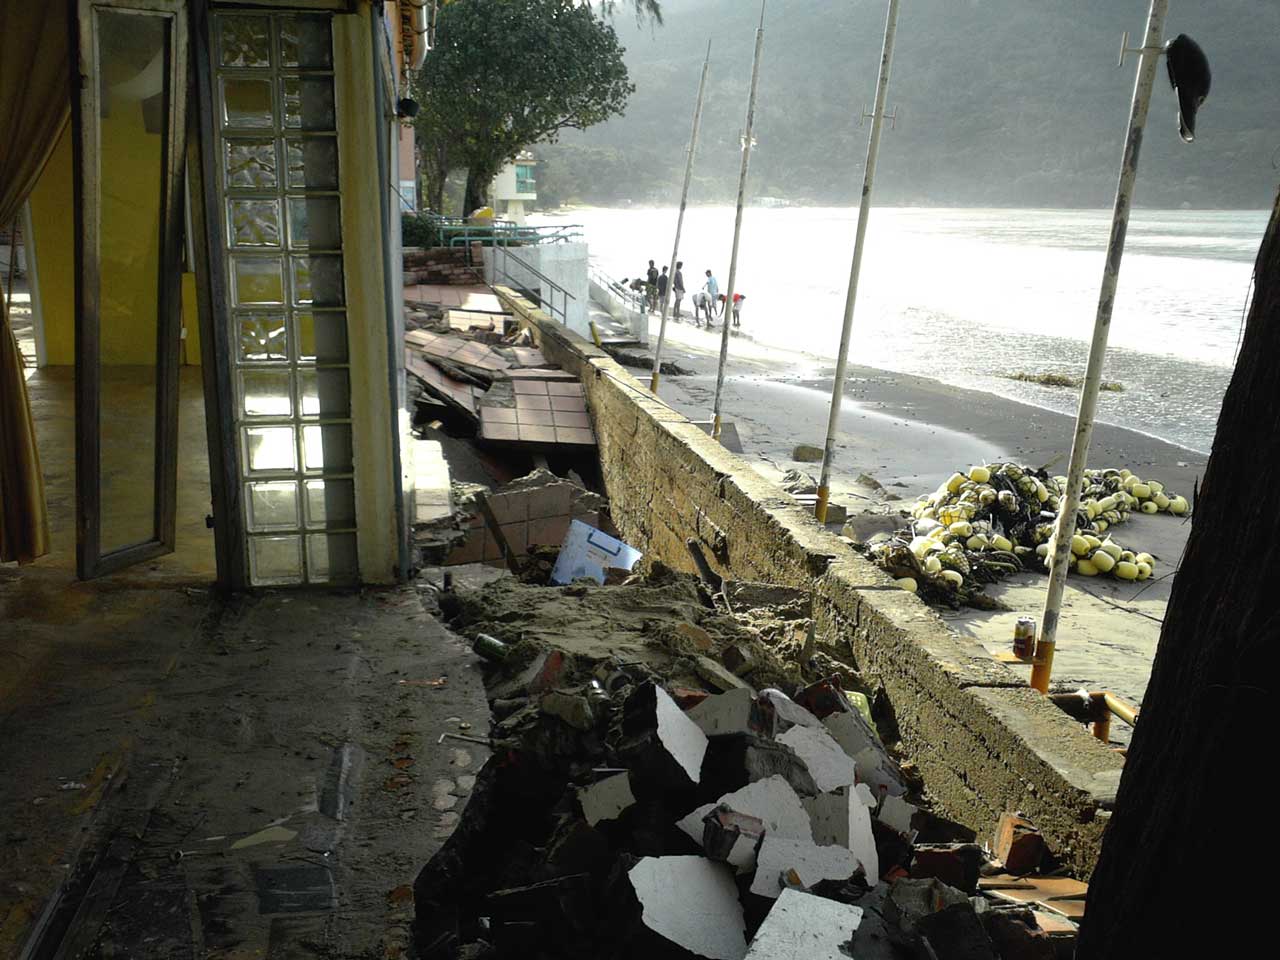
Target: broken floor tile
(734,711)
(771,799)
(718,676)
(731,836)
(787,712)
(680,735)
(1018,844)
(897,813)
(810,862)
(955,864)
(875,767)
(606,799)
(804,927)
(734,760)
(830,766)
(693,902)
(841,818)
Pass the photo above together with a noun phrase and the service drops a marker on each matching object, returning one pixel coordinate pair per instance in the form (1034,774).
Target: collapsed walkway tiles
(693,902)
(537,412)
(460,396)
(457,350)
(804,927)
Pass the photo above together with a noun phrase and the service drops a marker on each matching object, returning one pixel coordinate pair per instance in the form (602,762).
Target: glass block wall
(282,221)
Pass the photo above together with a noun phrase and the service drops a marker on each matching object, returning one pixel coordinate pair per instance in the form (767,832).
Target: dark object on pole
(1212,693)
(406,108)
(1189,74)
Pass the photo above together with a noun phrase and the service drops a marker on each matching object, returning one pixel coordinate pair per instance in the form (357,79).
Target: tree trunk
(1185,863)
(478,181)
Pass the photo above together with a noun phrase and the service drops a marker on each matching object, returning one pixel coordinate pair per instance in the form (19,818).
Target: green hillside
(1001,102)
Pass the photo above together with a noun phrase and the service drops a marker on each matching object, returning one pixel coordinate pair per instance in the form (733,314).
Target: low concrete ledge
(983,740)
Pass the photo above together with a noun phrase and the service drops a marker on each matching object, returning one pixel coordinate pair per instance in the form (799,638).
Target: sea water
(971,296)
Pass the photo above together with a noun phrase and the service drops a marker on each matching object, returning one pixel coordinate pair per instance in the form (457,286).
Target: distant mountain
(1001,102)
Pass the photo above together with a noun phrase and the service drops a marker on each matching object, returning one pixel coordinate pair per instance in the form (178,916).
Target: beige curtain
(35,63)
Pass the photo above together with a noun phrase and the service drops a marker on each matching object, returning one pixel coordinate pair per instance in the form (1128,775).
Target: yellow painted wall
(53,226)
(130,251)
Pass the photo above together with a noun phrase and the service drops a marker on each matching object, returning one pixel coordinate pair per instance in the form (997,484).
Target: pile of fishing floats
(999,518)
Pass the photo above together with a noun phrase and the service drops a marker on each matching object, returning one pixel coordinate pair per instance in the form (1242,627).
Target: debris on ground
(672,777)
(998,519)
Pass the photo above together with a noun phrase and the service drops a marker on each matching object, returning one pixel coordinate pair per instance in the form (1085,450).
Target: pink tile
(500,431)
(537,418)
(498,414)
(574,435)
(525,401)
(565,389)
(549,531)
(571,404)
(566,419)
(538,434)
(531,386)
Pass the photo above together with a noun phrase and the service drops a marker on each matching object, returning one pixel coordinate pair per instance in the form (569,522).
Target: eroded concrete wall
(984,742)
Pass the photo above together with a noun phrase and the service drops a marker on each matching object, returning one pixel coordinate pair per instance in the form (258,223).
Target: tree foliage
(506,74)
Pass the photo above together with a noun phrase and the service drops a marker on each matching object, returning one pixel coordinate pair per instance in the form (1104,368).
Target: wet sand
(909,434)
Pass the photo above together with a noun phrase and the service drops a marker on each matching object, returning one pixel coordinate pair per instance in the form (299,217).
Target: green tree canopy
(506,74)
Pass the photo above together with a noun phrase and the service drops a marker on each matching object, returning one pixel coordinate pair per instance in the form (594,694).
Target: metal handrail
(459,231)
(546,302)
(631,298)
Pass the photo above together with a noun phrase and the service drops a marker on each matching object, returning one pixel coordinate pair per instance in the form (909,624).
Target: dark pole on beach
(747,144)
(851,298)
(1070,506)
(684,202)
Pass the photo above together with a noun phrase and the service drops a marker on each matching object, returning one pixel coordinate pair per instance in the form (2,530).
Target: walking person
(663,281)
(677,288)
(651,275)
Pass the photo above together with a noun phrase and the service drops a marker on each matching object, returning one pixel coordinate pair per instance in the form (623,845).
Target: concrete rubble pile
(669,780)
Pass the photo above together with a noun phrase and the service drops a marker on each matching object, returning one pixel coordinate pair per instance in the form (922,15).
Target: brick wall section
(984,741)
(442,266)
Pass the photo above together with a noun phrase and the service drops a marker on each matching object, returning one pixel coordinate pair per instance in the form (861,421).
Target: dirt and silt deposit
(678,770)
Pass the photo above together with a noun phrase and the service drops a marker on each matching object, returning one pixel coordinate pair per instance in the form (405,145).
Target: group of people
(707,302)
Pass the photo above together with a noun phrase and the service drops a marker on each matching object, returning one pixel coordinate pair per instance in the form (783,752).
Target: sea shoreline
(901,435)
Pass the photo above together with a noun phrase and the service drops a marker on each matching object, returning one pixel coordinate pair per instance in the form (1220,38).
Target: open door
(129,123)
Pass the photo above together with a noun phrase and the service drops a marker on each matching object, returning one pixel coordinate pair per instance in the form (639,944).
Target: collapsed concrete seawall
(983,740)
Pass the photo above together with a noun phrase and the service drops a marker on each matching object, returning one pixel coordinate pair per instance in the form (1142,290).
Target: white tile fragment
(880,772)
(865,795)
(606,799)
(693,902)
(680,735)
(897,813)
(830,766)
(842,818)
(788,712)
(770,799)
(811,862)
(724,713)
(804,927)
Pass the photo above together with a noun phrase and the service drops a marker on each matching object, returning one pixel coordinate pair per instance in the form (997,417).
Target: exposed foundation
(984,742)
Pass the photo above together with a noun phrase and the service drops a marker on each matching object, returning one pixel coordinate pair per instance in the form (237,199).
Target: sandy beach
(901,436)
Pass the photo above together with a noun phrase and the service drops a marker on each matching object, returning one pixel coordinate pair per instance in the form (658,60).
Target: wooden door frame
(90,561)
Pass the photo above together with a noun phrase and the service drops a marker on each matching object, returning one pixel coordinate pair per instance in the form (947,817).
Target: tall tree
(506,74)
(1186,857)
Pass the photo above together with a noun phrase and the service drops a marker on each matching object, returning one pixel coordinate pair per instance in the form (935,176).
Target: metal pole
(1070,506)
(737,225)
(864,214)
(684,202)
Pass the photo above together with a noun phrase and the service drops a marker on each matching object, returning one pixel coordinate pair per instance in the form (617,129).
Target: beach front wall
(984,742)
